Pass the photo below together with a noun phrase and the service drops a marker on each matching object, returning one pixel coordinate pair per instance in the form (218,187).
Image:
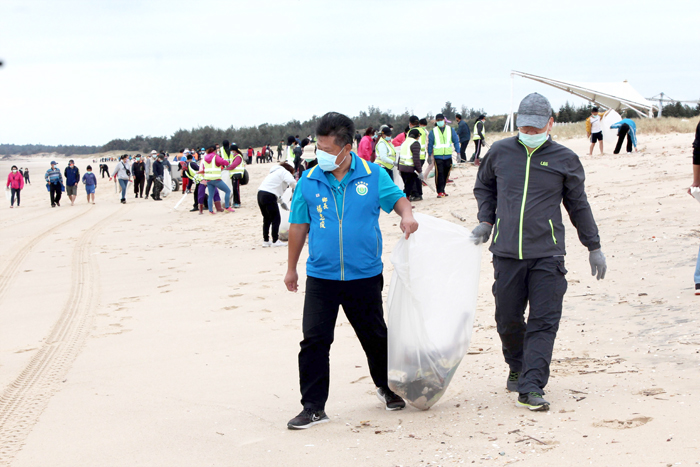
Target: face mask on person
(441,123)
(388,138)
(14,170)
(327,161)
(532,141)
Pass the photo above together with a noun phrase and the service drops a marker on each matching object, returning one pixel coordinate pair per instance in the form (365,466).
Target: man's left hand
(408,225)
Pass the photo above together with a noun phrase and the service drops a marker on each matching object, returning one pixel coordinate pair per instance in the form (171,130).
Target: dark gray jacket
(521,196)
(463,131)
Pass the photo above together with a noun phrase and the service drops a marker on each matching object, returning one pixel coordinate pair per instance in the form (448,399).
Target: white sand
(175,342)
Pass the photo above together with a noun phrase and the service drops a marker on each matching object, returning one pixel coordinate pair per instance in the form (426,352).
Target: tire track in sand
(9,272)
(27,396)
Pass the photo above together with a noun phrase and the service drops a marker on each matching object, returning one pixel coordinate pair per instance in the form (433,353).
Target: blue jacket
(89,179)
(431,142)
(463,132)
(350,247)
(632,131)
(53,176)
(72,175)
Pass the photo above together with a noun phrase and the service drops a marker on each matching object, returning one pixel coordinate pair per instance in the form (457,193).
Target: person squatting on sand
(519,188)
(15,183)
(337,203)
(270,190)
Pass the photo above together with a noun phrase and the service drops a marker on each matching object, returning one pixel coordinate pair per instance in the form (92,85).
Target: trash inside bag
(285,201)
(432,302)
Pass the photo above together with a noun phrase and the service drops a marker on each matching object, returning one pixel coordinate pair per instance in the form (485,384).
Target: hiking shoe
(267,244)
(533,401)
(697,286)
(307,418)
(512,383)
(392,400)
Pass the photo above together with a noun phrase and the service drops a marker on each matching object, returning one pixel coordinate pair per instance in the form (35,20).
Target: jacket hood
(276,168)
(209,157)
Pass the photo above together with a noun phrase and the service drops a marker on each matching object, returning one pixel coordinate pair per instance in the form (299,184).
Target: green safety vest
(193,175)
(392,153)
(290,155)
(240,168)
(211,170)
(476,132)
(443,141)
(423,140)
(405,155)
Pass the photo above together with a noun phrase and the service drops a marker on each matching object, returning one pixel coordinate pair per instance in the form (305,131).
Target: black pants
(271,215)
(477,149)
(409,181)
(527,346)
(26,179)
(442,173)
(236,184)
(149,182)
(138,186)
(362,303)
(15,192)
(157,187)
(195,205)
(55,193)
(417,189)
(463,150)
(621,133)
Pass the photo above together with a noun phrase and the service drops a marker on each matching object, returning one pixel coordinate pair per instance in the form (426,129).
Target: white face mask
(14,170)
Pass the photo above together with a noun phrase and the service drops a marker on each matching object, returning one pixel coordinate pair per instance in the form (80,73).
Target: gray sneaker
(533,401)
(512,382)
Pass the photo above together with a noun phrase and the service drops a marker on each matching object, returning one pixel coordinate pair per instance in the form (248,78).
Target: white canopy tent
(615,96)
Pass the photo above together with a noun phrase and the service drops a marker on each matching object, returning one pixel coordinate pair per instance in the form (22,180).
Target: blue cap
(53,163)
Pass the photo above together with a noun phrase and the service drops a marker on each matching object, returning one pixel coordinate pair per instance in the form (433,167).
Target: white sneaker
(279,243)
(267,244)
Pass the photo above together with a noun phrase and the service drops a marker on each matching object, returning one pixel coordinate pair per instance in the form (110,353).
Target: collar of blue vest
(317,174)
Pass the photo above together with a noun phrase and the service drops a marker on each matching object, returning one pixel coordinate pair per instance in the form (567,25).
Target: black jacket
(138,169)
(158,168)
(522,196)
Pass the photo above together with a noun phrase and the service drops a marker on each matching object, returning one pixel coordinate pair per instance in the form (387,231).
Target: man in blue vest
(337,203)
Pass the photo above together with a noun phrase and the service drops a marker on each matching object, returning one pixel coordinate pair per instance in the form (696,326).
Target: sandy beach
(142,335)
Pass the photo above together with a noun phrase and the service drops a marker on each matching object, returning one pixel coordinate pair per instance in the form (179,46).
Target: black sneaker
(392,400)
(533,401)
(697,289)
(512,383)
(307,418)
(194,210)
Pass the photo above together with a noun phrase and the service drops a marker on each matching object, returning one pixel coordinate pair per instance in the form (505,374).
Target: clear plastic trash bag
(431,307)
(167,183)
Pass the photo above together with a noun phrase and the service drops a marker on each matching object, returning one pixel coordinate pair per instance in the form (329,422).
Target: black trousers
(442,173)
(621,133)
(362,303)
(477,149)
(14,192)
(157,187)
(138,185)
(409,181)
(55,193)
(195,205)
(271,215)
(236,184)
(417,189)
(527,346)
(149,182)
(463,150)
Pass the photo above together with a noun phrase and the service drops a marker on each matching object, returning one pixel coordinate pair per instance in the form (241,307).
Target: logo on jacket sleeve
(361,188)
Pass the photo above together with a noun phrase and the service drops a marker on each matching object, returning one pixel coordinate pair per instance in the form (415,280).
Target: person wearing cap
(385,152)
(138,168)
(410,164)
(440,144)
(54,182)
(479,138)
(519,189)
(464,137)
(72,174)
(122,172)
(337,204)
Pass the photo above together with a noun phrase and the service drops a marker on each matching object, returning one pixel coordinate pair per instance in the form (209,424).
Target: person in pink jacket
(213,185)
(366,147)
(15,182)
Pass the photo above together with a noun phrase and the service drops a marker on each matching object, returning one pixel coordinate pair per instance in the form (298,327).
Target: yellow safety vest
(240,168)
(405,154)
(423,140)
(193,175)
(392,153)
(442,146)
(211,170)
(476,132)
(290,155)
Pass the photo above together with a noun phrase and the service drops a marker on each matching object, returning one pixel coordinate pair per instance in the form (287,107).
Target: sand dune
(139,335)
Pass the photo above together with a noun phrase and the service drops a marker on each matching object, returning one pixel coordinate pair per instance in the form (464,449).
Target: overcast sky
(86,72)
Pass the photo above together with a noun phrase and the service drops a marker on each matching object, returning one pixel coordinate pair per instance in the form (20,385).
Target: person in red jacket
(366,147)
(15,182)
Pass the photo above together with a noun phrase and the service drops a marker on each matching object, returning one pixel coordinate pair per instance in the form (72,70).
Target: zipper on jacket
(552,226)
(340,232)
(498,223)
(522,206)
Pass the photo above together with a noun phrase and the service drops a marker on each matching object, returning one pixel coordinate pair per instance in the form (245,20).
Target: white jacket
(277,181)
